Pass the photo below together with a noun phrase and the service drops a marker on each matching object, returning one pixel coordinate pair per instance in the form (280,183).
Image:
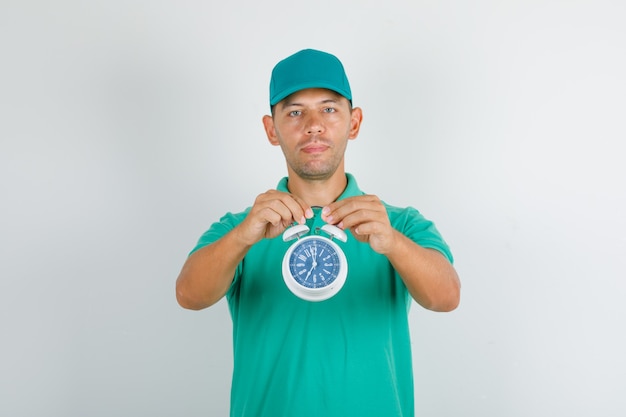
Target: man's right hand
(272,213)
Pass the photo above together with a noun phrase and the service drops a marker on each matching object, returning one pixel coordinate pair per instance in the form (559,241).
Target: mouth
(316,147)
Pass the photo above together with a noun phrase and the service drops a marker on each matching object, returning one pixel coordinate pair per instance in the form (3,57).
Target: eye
(294,113)
(329,110)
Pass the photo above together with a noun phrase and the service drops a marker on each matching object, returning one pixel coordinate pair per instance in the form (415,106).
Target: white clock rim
(315,294)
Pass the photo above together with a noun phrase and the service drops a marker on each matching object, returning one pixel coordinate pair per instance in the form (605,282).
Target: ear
(270,130)
(355,122)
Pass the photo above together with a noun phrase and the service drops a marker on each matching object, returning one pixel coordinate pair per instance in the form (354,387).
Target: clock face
(314,268)
(314,263)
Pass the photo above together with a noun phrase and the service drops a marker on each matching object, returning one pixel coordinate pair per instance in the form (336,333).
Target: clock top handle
(334,231)
(295,232)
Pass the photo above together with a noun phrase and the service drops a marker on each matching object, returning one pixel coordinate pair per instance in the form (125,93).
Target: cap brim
(294,89)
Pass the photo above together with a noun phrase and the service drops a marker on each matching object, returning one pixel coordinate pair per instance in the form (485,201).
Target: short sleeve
(420,230)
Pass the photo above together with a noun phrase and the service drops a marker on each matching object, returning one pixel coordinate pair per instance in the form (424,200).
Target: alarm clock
(314,266)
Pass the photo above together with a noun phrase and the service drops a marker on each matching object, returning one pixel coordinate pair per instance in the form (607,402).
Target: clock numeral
(314,264)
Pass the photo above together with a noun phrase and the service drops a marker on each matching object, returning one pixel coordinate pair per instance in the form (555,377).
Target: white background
(127,127)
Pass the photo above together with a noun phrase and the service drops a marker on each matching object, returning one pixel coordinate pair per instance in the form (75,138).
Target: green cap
(308,69)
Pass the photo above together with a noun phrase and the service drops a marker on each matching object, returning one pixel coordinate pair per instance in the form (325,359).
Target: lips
(315,147)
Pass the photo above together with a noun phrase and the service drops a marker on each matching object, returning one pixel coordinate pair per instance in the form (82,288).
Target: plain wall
(128,127)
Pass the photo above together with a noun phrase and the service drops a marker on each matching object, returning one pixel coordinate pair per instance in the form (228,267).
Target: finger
(300,210)
(345,206)
(272,214)
(290,208)
(362,217)
(368,228)
(366,206)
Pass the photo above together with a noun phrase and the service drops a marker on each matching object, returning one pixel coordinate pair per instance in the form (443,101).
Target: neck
(318,192)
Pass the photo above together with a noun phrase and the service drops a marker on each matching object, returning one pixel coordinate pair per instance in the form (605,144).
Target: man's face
(313,127)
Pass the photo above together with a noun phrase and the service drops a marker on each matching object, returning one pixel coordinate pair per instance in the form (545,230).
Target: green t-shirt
(349,355)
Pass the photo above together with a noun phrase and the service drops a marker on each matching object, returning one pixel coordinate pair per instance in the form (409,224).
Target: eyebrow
(288,103)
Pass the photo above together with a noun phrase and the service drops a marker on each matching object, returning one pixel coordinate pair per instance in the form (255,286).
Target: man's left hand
(366,217)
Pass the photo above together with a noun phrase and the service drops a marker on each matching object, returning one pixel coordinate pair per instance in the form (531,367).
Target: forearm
(429,277)
(208,273)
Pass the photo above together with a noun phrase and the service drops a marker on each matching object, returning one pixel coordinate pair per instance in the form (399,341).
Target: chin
(314,175)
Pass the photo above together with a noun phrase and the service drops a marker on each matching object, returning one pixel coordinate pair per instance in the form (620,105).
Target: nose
(314,124)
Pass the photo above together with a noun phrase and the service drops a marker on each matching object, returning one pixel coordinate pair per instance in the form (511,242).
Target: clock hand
(310,270)
(313,253)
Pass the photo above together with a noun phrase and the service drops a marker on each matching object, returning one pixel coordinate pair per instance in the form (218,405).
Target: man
(349,355)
